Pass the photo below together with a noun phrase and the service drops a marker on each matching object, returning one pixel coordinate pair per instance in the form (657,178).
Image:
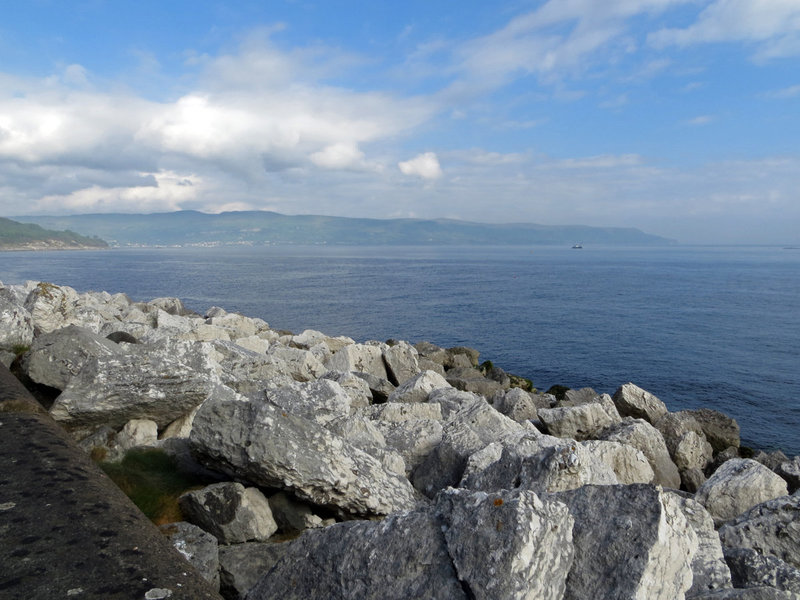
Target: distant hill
(265,227)
(27,236)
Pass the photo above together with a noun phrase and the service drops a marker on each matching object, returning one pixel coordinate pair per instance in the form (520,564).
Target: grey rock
(516,404)
(738,485)
(102,445)
(469,379)
(750,568)
(199,548)
(709,570)
(361,358)
(451,401)
(790,471)
(242,565)
(771,460)
(418,387)
(692,451)
(401,361)
(431,352)
(354,386)
(291,514)
(137,432)
(772,528)
(16,323)
(300,365)
(171,306)
(578,397)
(633,401)
(380,387)
(403,556)
(311,338)
(646,438)
(630,542)
(461,356)
(628,463)
(398,412)
(56,357)
(51,307)
(257,442)
(230,512)
(579,422)
(720,430)
(507,544)
(762,593)
(692,479)
(320,401)
(412,439)
(469,430)
(160,382)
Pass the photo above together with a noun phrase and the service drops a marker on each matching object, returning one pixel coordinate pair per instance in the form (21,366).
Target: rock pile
(386,470)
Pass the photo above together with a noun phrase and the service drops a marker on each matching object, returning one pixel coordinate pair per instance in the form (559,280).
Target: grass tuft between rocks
(152,480)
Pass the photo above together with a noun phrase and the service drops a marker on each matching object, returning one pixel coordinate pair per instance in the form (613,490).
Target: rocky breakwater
(386,470)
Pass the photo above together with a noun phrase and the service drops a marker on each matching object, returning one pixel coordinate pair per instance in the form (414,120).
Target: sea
(698,326)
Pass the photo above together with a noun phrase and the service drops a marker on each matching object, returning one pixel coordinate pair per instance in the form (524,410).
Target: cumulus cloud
(338,156)
(424,165)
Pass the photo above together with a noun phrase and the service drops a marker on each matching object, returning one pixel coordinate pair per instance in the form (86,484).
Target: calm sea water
(697,326)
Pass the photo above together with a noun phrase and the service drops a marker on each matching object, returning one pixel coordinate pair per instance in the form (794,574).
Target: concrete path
(66,531)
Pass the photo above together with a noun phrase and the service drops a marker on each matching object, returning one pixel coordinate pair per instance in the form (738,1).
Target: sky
(677,117)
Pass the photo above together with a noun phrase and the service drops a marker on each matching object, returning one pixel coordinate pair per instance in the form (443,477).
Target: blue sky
(679,117)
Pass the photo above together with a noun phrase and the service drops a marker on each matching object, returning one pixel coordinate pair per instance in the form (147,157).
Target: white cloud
(789,92)
(424,165)
(338,156)
(774,22)
(700,120)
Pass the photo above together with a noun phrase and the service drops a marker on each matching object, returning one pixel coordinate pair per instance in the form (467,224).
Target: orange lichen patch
(498,502)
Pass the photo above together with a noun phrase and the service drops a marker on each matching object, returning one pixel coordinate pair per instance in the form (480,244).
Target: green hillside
(27,236)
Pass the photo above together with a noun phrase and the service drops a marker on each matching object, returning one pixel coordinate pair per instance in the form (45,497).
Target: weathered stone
(720,430)
(772,528)
(578,397)
(362,358)
(709,569)
(137,432)
(452,401)
(354,386)
(403,556)
(242,565)
(51,307)
(401,362)
(692,479)
(750,568)
(469,354)
(56,357)
(380,387)
(761,593)
(790,471)
(254,344)
(412,439)
(535,463)
(291,514)
(160,382)
(630,541)
(469,430)
(272,448)
(171,306)
(102,445)
(180,427)
(199,548)
(692,451)
(418,387)
(577,422)
(469,379)
(738,485)
(16,323)
(301,365)
(397,412)
(516,404)
(643,436)
(230,512)
(633,401)
(507,544)
(431,351)
(628,463)
(321,401)
(311,338)
(771,460)
(245,371)
(425,364)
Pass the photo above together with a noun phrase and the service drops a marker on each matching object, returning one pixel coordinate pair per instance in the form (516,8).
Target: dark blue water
(714,327)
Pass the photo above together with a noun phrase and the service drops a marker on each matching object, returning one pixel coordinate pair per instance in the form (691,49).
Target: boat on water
(577,246)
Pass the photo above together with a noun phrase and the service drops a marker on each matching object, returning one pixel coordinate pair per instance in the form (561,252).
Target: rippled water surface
(697,326)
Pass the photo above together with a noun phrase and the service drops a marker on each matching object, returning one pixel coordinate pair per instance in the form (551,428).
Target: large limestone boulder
(257,442)
(199,548)
(538,463)
(750,568)
(230,512)
(517,404)
(578,422)
(311,338)
(470,379)
(630,542)
(160,382)
(292,515)
(418,387)
(644,437)
(633,401)
(16,323)
(760,593)
(710,572)
(242,565)
(790,471)
(56,357)
(51,306)
(467,546)
(301,365)
(354,386)
(720,430)
(739,484)
(467,431)
(628,463)
(772,528)
(401,359)
(321,400)
(137,433)
(361,358)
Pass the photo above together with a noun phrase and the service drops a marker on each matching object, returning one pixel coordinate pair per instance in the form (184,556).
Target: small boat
(577,246)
